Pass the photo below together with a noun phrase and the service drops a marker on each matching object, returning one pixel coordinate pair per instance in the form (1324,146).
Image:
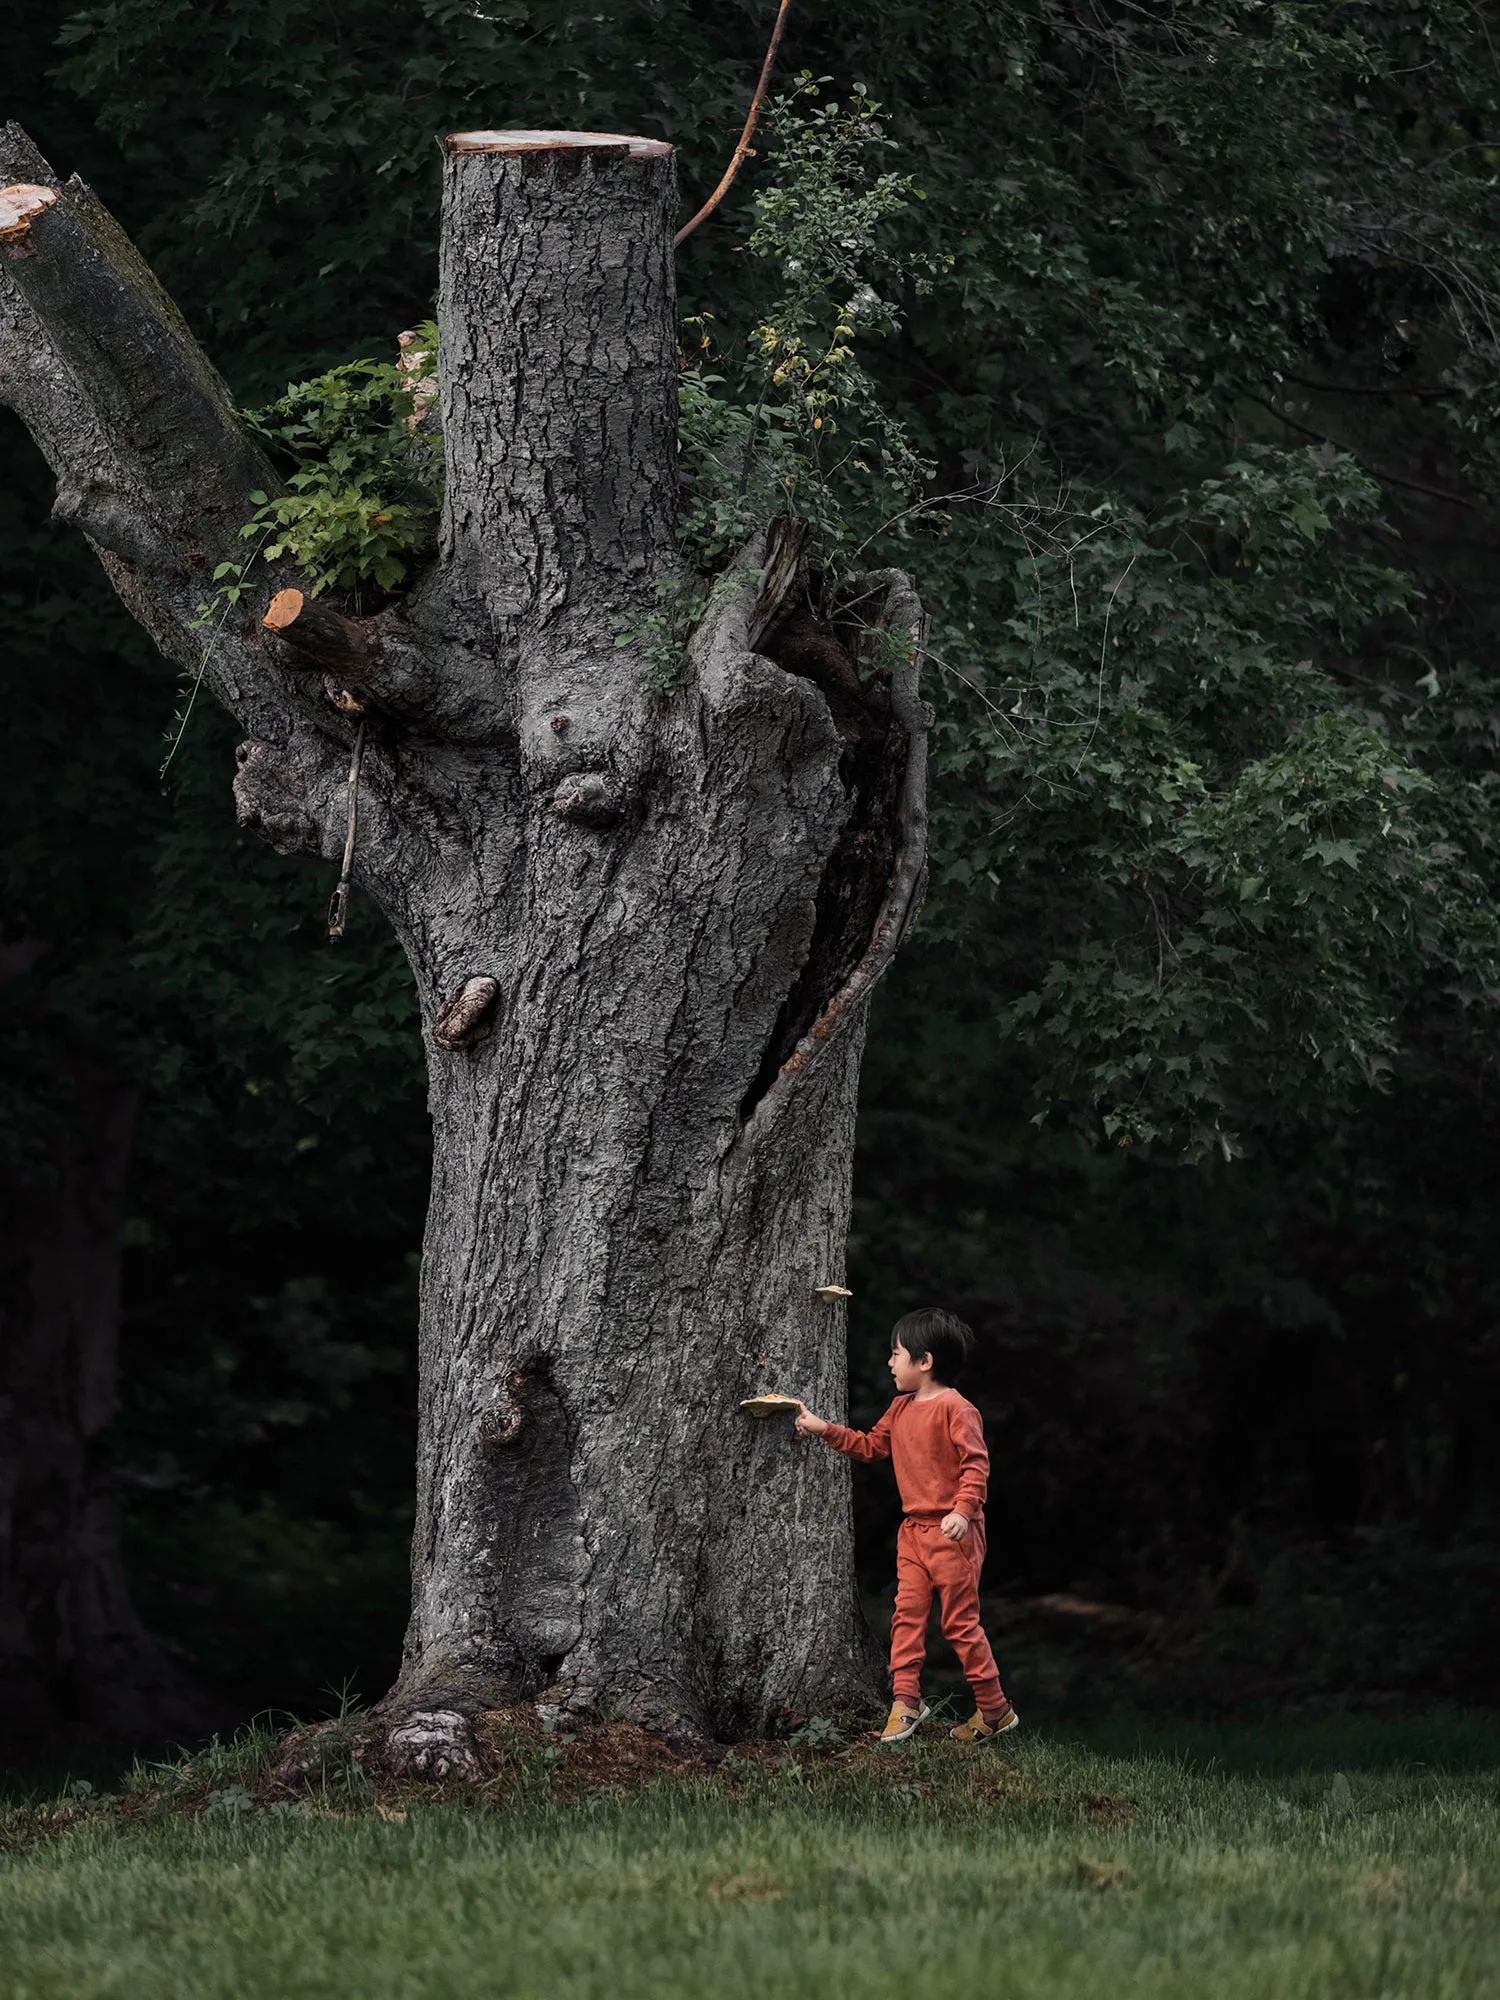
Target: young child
(935,1440)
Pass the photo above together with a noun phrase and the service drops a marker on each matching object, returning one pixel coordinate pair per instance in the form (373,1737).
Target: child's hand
(807,1425)
(954,1526)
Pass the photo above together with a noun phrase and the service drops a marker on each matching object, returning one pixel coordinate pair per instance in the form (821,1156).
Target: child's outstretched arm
(866,1446)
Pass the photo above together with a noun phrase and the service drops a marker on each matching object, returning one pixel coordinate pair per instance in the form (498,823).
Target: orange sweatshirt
(937,1448)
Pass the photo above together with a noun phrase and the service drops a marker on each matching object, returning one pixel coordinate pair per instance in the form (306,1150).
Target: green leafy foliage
(737,463)
(364,485)
(803,428)
(1254,878)
(1147,684)
(364,479)
(659,638)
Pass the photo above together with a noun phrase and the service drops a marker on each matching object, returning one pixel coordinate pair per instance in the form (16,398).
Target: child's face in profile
(906,1373)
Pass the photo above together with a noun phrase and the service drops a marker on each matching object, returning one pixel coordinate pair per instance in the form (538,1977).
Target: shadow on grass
(1098,1697)
(1267,1745)
(103,1767)
(100,1765)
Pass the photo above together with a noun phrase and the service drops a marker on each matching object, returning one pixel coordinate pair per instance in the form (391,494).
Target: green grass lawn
(1348,1858)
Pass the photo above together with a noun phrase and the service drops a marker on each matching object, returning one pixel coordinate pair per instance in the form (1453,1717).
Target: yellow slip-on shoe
(903,1722)
(977,1730)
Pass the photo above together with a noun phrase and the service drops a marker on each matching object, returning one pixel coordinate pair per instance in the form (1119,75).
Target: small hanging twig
(338,907)
(231,595)
(745,137)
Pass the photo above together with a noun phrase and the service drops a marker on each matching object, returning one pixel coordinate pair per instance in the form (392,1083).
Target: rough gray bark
(643,930)
(74,1656)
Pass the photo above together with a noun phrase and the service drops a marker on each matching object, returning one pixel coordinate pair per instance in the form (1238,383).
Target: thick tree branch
(153,466)
(35,384)
(96,491)
(94,360)
(167,413)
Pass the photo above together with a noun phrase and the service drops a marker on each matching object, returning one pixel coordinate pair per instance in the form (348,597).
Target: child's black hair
(941,1334)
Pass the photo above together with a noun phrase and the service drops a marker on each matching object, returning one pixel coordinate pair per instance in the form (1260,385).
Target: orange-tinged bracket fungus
(832,1292)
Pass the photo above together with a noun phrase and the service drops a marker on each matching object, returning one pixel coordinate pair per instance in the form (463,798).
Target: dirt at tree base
(517,1744)
(529,1761)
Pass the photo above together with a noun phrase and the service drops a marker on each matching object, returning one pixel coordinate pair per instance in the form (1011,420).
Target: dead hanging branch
(742,149)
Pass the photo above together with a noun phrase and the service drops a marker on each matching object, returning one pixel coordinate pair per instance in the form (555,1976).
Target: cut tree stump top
(556,142)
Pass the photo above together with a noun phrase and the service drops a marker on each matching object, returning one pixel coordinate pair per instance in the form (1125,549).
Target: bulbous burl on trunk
(644,929)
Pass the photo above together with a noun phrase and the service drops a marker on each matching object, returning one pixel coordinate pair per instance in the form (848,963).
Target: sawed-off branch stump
(643,928)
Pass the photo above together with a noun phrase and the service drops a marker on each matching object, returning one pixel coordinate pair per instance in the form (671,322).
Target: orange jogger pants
(927,1563)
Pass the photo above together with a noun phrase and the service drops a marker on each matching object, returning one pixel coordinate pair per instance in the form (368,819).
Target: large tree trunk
(644,930)
(74,1657)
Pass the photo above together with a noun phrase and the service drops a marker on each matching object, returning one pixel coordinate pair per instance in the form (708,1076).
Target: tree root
(435,1747)
(427,1745)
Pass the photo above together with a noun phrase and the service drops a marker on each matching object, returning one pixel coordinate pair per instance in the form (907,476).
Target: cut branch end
(323,634)
(557,142)
(285,609)
(20,204)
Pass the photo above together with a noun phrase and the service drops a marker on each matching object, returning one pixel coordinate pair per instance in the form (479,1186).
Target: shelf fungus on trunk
(644,931)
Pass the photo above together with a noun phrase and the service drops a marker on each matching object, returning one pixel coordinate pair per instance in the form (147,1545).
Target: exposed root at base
(433,1743)
(505,1749)
(434,1746)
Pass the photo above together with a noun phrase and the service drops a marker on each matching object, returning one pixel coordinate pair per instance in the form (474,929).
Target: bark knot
(270,796)
(501,1427)
(588,798)
(466,1012)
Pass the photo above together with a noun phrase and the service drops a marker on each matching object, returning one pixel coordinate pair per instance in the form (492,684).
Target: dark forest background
(1204,1148)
